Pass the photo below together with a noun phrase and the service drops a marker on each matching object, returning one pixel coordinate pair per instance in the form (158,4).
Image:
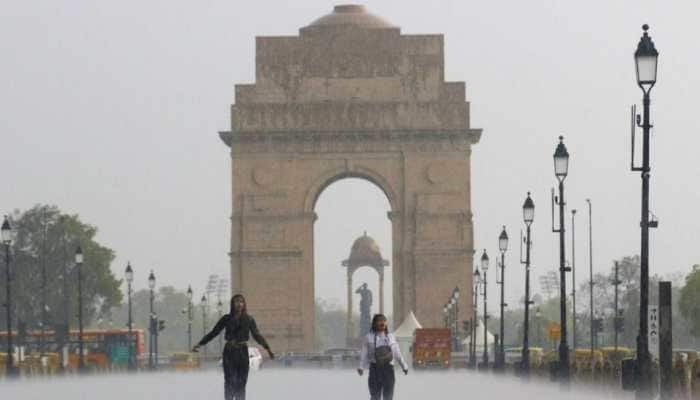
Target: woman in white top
(378,352)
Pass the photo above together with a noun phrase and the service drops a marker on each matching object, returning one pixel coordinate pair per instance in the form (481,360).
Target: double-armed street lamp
(152,328)
(7,241)
(129,275)
(561,170)
(528,217)
(81,345)
(189,318)
(646,61)
(502,247)
(485,268)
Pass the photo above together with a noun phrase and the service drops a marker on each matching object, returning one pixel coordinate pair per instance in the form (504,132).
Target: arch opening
(349,209)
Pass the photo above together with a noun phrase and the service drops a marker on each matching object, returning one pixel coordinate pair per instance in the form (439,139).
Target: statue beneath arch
(365,309)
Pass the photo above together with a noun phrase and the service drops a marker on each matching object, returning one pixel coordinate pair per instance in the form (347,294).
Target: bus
(102,348)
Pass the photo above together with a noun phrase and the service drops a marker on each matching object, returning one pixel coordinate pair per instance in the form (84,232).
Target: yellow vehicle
(609,353)
(584,355)
(514,355)
(184,361)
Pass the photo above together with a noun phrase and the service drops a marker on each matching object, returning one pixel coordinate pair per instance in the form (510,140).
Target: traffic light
(620,324)
(152,325)
(161,325)
(598,325)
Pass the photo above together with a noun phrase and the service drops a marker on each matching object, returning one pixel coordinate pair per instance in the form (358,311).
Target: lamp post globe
(646,60)
(151,280)
(484,262)
(528,210)
(6,231)
(503,241)
(129,273)
(561,160)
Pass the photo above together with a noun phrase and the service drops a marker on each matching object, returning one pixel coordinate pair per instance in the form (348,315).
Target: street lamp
(646,60)
(573,279)
(189,318)
(455,298)
(485,268)
(561,170)
(79,263)
(205,303)
(472,350)
(538,318)
(152,328)
(129,275)
(528,218)
(444,311)
(7,241)
(502,247)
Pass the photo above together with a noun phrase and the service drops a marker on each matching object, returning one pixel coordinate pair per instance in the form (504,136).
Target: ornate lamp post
(561,170)
(528,217)
(646,61)
(152,328)
(189,318)
(7,241)
(472,351)
(447,318)
(81,345)
(455,302)
(205,303)
(485,268)
(502,247)
(573,279)
(129,275)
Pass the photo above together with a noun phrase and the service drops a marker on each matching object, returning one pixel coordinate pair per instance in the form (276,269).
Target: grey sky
(110,110)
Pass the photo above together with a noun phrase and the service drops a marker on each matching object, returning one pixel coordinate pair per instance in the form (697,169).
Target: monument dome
(351,15)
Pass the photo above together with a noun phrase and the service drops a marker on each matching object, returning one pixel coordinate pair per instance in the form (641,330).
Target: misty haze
(317,199)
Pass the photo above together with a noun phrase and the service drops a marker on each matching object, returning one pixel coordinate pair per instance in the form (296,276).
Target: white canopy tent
(491,340)
(404,335)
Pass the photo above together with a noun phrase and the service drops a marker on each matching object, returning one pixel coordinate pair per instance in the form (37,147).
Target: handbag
(383,355)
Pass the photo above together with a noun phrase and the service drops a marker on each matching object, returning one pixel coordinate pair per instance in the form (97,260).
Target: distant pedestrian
(239,327)
(378,353)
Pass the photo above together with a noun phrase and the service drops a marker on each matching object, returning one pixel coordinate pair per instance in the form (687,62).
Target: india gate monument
(349,96)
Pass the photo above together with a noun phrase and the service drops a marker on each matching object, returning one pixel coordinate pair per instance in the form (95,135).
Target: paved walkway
(283,384)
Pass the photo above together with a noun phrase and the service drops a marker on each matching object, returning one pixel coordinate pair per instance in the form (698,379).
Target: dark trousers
(381,381)
(236,366)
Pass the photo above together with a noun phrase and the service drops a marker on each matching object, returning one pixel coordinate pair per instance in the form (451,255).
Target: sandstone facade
(349,97)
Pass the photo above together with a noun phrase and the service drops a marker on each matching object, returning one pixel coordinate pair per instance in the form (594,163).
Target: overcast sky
(111,110)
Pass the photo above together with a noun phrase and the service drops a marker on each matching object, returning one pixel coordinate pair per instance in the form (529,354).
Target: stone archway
(349,97)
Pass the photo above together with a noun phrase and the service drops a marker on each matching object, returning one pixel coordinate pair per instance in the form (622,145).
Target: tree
(44,273)
(689,303)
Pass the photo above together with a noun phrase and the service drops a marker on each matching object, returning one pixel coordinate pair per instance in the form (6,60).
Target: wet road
(287,384)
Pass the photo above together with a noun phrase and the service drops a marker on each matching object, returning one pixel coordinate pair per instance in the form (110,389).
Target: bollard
(695,381)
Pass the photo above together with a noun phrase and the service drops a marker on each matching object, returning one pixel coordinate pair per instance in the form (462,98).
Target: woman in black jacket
(239,327)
